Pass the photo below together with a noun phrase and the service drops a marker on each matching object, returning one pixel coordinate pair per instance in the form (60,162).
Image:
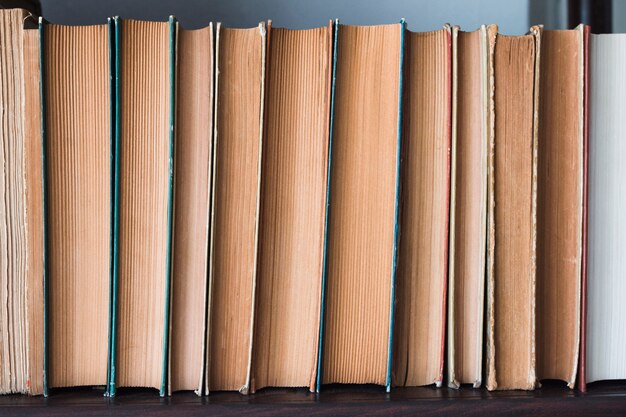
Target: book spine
(449,98)
(452,381)
(328,172)
(42,90)
(115,102)
(582,378)
(216,55)
(170,204)
(111,32)
(396,232)
(207,294)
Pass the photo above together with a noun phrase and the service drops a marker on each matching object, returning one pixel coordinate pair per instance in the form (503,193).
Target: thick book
(560,180)
(192,182)
(364,202)
(143,210)
(21,215)
(78,146)
(605,337)
(238,134)
(423,247)
(293,207)
(471,132)
(512,196)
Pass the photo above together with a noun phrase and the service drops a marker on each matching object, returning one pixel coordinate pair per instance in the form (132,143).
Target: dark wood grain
(553,399)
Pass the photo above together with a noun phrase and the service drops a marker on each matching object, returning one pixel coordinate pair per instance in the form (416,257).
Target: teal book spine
(112,26)
(42,94)
(170,202)
(396,233)
(320,348)
(115,114)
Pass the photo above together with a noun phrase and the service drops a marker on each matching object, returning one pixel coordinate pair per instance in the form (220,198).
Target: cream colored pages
(143,157)
(606,333)
(512,335)
(362,197)
(559,204)
(239,93)
(422,265)
(78,178)
(293,207)
(194,133)
(13,238)
(33,178)
(468,211)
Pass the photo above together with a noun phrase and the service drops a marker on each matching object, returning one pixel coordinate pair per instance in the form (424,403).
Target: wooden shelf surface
(553,399)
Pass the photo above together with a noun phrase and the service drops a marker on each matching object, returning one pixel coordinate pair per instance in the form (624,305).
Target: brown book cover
(560,196)
(512,219)
(235,201)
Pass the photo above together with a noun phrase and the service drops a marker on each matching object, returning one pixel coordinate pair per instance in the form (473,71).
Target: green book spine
(44,208)
(170,204)
(114,27)
(112,24)
(318,381)
(394,261)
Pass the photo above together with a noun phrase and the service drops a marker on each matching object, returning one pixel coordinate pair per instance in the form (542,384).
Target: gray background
(513,16)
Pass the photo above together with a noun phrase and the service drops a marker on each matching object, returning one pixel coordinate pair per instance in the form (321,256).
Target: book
(605,333)
(192,181)
(33,179)
(471,132)
(143,191)
(560,179)
(238,131)
(78,144)
(512,228)
(21,254)
(423,247)
(293,207)
(364,201)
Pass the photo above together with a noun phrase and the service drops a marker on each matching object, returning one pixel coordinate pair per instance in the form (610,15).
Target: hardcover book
(364,202)
(78,146)
(238,132)
(144,160)
(471,131)
(560,180)
(192,182)
(423,247)
(21,207)
(512,229)
(293,207)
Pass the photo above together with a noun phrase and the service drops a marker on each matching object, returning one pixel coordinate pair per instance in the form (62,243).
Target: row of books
(232,209)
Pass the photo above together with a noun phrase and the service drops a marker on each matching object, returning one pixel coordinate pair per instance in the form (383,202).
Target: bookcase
(553,398)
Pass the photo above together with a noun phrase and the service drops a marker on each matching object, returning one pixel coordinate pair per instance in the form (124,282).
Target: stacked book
(233,209)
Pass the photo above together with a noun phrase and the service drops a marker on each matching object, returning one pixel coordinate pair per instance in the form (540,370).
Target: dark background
(512,16)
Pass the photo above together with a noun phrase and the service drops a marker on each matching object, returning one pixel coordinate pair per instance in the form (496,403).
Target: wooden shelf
(551,400)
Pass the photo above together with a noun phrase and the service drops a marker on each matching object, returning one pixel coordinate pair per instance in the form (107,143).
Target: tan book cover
(192,180)
(293,207)
(423,247)
(560,203)
(471,132)
(237,156)
(512,197)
